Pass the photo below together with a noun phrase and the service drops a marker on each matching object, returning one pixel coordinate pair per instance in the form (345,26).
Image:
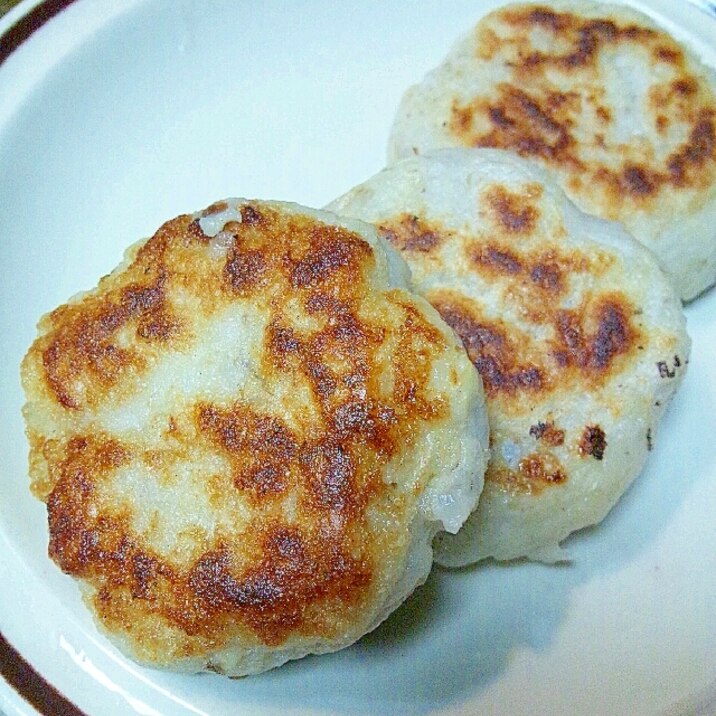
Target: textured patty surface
(578,336)
(621,115)
(248,435)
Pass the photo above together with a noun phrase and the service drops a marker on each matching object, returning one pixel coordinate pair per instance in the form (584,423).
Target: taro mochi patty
(578,335)
(621,115)
(247,436)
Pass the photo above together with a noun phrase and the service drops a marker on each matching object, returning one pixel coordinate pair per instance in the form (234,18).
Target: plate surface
(115,116)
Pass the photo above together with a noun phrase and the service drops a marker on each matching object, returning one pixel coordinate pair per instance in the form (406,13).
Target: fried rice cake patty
(577,333)
(248,435)
(622,115)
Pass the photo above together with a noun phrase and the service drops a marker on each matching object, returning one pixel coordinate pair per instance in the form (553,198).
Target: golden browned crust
(306,558)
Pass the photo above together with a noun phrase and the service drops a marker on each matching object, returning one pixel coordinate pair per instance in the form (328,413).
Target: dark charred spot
(586,47)
(244,269)
(144,570)
(262,479)
(498,117)
(410,233)
(699,148)
(251,216)
(331,251)
(491,352)
(548,433)
(519,122)
(353,417)
(702,141)
(613,335)
(282,341)
(139,299)
(347,328)
(547,18)
(319,302)
(159,326)
(665,371)
(532,109)
(636,181)
(685,86)
(593,351)
(515,213)
(323,379)
(668,54)
(547,276)
(195,234)
(499,260)
(593,442)
(634,32)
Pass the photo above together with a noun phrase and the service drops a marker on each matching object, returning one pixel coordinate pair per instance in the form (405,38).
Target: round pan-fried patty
(621,115)
(577,333)
(247,436)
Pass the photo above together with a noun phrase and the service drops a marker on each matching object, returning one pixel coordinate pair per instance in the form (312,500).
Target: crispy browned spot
(594,348)
(604,114)
(700,148)
(410,233)
(514,212)
(547,276)
(669,55)
(534,473)
(636,181)
(244,269)
(492,351)
(540,467)
(251,216)
(496,259)
(547,432)
(519,122)
(593,442)
(331,250)
(685,86)
(293,573)
(261,448)
(545,17)
(83,348)
(82,354)
(542,270)
(73,537)
(292,570)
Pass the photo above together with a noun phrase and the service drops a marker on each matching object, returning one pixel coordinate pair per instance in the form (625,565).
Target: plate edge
(20,675)
(28,24)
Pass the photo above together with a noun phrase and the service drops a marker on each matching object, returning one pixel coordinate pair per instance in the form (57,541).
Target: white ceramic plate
(117,115)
